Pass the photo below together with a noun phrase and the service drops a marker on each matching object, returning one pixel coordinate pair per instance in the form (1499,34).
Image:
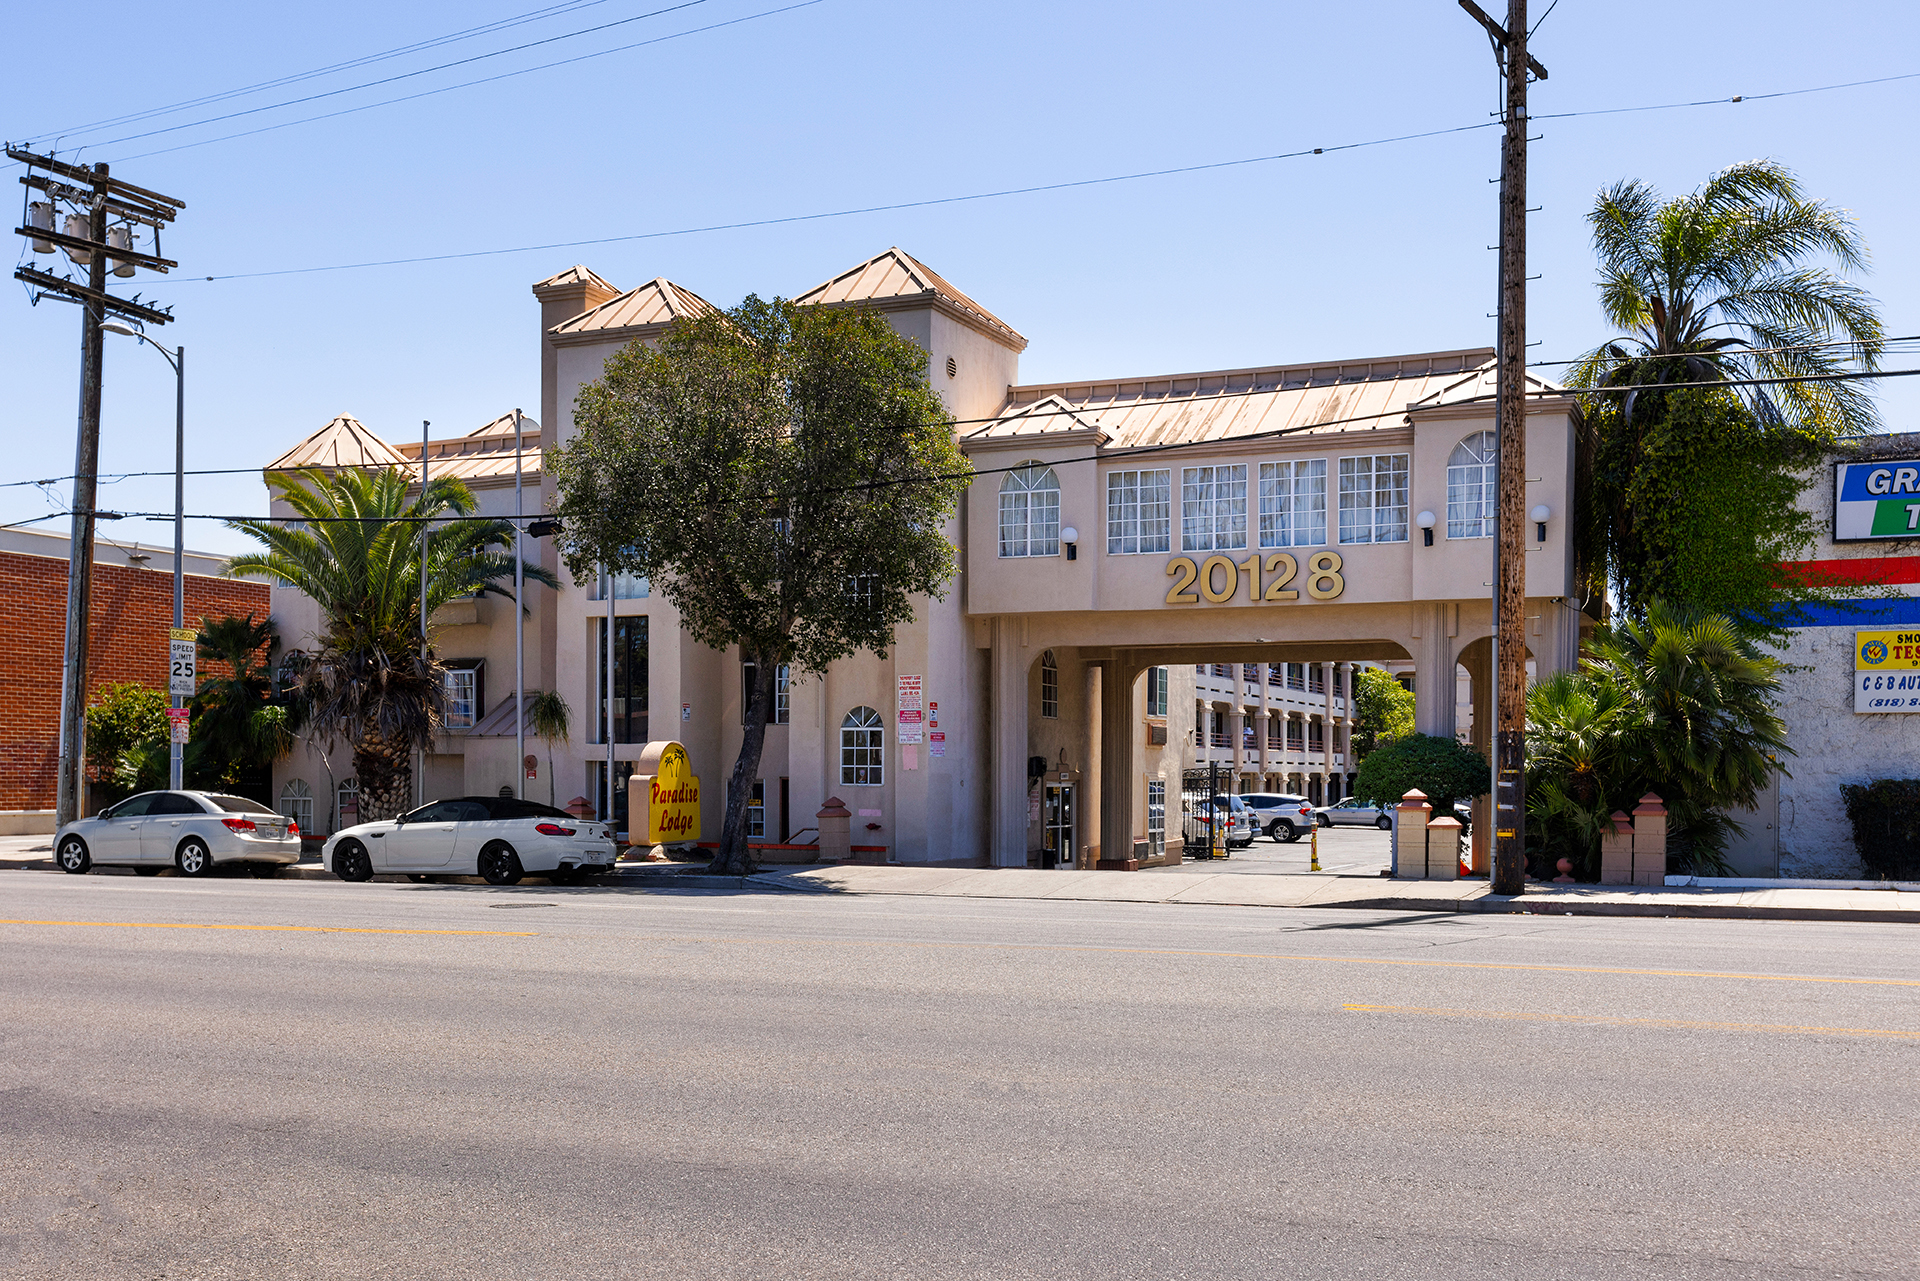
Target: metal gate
(1203,825)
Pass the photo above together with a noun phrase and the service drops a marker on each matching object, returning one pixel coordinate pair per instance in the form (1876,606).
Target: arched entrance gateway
(1311,515)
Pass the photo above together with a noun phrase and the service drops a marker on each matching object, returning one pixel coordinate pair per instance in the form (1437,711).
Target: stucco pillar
(1119,770)
(1009,845)
(1237,735)
(1092,820)
(1326,730)
(1433,677)
(1266,713)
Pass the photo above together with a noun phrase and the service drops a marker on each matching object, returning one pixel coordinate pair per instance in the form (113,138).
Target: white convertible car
(497,837)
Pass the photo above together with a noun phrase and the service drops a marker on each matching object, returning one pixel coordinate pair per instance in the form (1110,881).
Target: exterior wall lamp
(1539,517)
(1425,521)
(1071,538)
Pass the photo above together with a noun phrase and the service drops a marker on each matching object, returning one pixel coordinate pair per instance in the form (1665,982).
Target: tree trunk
(735,858)
(385,771)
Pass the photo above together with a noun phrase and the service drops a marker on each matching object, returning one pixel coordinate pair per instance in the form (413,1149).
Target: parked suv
(1279,815)
(191,831)
(1236,820)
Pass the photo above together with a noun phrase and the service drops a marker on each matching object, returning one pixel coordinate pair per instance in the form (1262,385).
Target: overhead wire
(262,86)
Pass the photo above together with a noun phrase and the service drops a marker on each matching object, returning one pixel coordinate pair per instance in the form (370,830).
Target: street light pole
(176,765)
(519,624)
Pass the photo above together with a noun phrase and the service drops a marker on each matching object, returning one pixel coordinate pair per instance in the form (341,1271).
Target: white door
(425,840)
(171,817)
(117,839)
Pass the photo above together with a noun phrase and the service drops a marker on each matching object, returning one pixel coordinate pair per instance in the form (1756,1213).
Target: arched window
(1470,488)
(1049,685)
(863,748)
(296,802)
(348,800)
(1030,511)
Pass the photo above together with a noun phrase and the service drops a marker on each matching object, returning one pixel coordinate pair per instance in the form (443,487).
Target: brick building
(132,610)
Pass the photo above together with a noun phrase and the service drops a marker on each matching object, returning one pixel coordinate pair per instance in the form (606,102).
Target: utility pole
(98,232)
(519,623)
(420,754)
(1510,434)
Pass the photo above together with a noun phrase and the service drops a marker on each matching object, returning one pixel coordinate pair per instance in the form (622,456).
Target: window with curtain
(1293,503)
(1030,511)
(1470,484)
(1373,499)
(862,748)
(1213,508)
(1049,685)
(1139,511)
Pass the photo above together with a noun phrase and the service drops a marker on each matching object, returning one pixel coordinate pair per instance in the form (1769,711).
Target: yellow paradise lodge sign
(672,794)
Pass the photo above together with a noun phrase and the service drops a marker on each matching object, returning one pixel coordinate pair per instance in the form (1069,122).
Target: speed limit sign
(180,661)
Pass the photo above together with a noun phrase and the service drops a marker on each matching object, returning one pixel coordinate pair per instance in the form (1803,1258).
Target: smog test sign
(1876,500)
(1886,671)
(666,789)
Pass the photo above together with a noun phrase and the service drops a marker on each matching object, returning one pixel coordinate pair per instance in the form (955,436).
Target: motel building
(1275,526)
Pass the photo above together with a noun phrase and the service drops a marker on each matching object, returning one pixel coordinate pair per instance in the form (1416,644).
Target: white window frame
(1140,512)
(863,749)
(1049,686)
(1471,470)
(1293,503)
(1156,817)
(1373,498)
(296,803)
(462,686)
(1213,508)
(1030,511)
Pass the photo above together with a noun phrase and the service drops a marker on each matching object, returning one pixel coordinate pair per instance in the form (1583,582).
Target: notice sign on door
(180,664)
(1886,672)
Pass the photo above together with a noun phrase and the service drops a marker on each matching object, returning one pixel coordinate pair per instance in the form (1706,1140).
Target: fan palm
(236,729)
(551,720)
(356,552)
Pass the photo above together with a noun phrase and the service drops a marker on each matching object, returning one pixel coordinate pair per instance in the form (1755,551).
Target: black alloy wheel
(499,865)
(351,863)
(73,856)
(193,858)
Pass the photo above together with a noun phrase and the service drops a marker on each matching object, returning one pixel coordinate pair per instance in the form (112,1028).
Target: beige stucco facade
(1096,621)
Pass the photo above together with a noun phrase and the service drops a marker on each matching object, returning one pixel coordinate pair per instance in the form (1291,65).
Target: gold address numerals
(1218,578)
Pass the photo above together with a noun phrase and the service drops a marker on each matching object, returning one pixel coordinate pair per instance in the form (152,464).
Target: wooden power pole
(1510,433)
(105,216)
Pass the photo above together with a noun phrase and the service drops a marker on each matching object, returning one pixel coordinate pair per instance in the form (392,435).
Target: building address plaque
(1218,579)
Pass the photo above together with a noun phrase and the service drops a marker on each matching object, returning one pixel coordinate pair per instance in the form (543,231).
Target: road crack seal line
(278,929)
(1611,1020)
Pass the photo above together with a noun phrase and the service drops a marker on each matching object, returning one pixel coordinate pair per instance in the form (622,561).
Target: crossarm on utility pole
(1500,36)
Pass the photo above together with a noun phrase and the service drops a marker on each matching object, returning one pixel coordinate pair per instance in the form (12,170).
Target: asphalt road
(328,1080)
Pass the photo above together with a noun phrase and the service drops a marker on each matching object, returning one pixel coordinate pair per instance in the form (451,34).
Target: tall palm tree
(237,731)
(1715,285)
(356,552)
(551,720)
(1722,283)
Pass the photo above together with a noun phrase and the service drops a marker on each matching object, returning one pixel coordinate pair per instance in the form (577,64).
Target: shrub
(1445,770)
(1885,813)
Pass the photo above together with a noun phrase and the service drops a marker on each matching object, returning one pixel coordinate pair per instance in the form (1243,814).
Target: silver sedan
(193,832)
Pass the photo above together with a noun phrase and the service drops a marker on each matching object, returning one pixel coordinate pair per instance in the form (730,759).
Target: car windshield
(239,805)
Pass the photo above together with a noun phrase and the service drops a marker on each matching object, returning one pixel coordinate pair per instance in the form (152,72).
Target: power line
(296,77)
(942,200)
(387,80)
(467,84)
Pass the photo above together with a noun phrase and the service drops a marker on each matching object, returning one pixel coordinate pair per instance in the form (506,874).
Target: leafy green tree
(1722,283)
(1383,710)
(551,721)
(782,474)
(357,554)
(1680,704)
(1445,769)
(121,727)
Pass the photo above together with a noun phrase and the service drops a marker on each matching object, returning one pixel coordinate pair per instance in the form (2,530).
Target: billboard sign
(1876,500)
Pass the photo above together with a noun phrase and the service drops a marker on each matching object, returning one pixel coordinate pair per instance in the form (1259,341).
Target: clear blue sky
(850,103)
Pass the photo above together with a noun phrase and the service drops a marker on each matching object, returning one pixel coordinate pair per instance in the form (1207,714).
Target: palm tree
(551,720)
(1719,284)
(356,552)
(1713,285)
(237,731)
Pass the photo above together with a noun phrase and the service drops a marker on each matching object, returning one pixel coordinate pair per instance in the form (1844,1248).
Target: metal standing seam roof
(898,274)
(343,442)
(1223,404)
(658,302)
(576,275)
(480,455)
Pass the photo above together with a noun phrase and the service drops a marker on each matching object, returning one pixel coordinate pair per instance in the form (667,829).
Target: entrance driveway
(1354,851)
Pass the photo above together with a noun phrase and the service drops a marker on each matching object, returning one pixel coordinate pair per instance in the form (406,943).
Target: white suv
(497,837)
(1280,816)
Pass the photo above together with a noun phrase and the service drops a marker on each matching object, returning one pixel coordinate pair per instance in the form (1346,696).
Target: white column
(1009,745)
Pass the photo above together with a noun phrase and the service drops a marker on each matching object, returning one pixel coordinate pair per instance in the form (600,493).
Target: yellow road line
(287,929)
(1623,1021)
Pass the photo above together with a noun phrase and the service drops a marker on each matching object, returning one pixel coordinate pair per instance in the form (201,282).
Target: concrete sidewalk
(1333,891)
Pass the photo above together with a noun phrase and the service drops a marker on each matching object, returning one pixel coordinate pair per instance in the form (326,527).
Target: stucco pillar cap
(834,808)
